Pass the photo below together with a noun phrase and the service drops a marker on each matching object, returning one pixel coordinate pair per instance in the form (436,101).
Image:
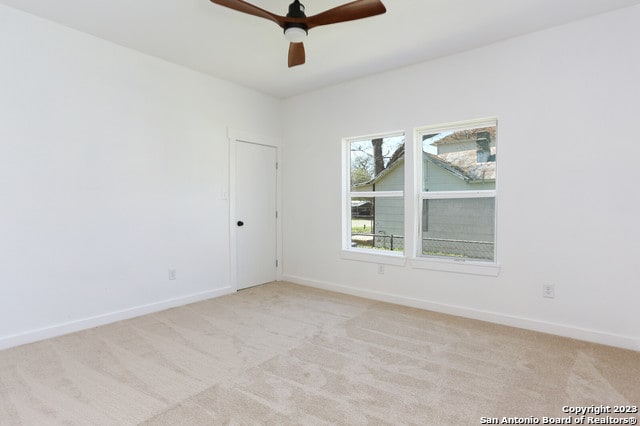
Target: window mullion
(376,194)
(457,194)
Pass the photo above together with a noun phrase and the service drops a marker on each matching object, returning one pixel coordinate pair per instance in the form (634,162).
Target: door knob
(240,223)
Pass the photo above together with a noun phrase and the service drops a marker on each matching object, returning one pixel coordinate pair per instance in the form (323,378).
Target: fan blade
(347,12)
(296,54)
(243,6)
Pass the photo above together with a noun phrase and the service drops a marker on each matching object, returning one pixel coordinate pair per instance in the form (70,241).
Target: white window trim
(441,195)
(464,266)
(359,254)
(461,266)
(374,256)
(375,194)
(456,125)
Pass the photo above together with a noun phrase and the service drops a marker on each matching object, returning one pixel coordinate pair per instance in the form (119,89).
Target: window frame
(358,253)
(443,263)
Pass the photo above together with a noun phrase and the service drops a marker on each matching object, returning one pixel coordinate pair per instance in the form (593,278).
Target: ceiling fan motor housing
(295,32)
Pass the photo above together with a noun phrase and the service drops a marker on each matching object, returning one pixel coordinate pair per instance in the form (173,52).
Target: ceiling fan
(296,24)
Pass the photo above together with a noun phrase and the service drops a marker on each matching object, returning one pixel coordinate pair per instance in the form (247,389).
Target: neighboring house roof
(465,165)
(462,164)
(463,136)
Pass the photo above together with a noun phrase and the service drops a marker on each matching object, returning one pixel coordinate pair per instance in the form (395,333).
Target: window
(449,221)
(373,207)
(456,206)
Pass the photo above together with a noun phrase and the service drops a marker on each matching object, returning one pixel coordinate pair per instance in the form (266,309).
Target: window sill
(459,266)
(394,259)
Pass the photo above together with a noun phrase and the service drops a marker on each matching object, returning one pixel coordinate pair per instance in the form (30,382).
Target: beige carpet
(285,354)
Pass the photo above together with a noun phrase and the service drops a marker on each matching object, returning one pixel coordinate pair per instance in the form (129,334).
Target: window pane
(377,164)
(459,160)
(459,227)
(377,223)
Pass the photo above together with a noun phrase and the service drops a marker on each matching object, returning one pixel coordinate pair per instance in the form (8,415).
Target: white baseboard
(111,317)
(593,336)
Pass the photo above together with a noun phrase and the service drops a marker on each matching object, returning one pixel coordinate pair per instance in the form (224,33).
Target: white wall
(112,168)
(567,100)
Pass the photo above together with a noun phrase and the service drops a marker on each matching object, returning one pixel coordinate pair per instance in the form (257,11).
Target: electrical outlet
(380,268)
(549,291)
(172,274)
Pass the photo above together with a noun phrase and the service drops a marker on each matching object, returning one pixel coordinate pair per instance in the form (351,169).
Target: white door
(255,214)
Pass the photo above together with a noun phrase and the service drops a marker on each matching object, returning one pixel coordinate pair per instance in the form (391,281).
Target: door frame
(235,136)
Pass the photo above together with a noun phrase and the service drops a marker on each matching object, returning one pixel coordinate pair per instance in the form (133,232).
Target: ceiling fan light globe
(295,34)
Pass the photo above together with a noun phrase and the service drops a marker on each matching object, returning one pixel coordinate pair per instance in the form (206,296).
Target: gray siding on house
(389,220)
(462,227)
(393,180)
(389,212)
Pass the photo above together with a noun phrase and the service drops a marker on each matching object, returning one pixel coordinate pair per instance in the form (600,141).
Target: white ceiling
(253,52)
